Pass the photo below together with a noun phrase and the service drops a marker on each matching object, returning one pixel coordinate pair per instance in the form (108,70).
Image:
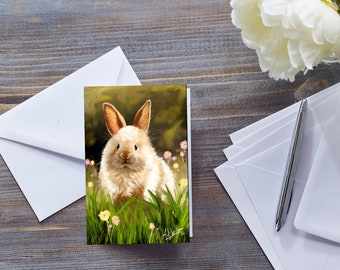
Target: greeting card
(137,142)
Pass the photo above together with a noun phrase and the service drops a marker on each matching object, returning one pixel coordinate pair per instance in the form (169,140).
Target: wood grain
(184,42)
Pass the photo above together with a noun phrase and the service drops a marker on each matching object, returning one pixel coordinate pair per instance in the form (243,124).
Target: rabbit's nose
(124,155)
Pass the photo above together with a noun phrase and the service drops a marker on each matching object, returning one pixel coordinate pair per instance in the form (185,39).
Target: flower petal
(294,54)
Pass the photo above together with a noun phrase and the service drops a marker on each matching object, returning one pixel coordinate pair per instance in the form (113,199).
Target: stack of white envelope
(253,177)
(42,140)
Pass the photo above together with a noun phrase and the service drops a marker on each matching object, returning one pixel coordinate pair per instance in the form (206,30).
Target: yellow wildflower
(90,184)
(151,226)
(175,166)
(183,182)
(104,215)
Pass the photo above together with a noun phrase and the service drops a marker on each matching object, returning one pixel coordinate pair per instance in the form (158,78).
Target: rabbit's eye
(118,146)
(136,147)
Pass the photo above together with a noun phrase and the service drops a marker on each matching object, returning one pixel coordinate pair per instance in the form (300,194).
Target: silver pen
(289,177)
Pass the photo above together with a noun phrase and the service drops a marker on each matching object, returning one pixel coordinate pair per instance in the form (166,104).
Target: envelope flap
(294,246)
(53,119)
(49,181)
(318,210)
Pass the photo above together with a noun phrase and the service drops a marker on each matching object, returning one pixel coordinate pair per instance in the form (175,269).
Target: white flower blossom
(289,36)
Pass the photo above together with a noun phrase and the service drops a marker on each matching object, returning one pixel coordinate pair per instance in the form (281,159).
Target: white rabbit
(130,166)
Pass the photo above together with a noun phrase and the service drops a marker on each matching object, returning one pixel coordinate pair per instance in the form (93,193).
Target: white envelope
(42,139)
(236,190)
(255,169)
(318,211)
(258,187)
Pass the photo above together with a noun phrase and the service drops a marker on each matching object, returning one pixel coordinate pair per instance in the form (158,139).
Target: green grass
(134,221)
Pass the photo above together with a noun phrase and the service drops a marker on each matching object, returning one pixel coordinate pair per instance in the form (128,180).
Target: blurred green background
(168,125)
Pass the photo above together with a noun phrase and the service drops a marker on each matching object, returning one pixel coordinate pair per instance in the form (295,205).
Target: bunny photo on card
(137,144)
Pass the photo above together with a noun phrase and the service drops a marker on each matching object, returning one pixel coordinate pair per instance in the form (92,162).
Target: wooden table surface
(166,42)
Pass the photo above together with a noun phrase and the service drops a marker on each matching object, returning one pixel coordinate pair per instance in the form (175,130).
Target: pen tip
(278,226)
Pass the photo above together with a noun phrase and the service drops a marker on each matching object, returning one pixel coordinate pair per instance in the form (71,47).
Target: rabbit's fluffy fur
(130,166)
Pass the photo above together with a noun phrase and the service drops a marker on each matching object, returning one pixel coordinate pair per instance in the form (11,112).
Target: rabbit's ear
(113,119)
(143,116)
